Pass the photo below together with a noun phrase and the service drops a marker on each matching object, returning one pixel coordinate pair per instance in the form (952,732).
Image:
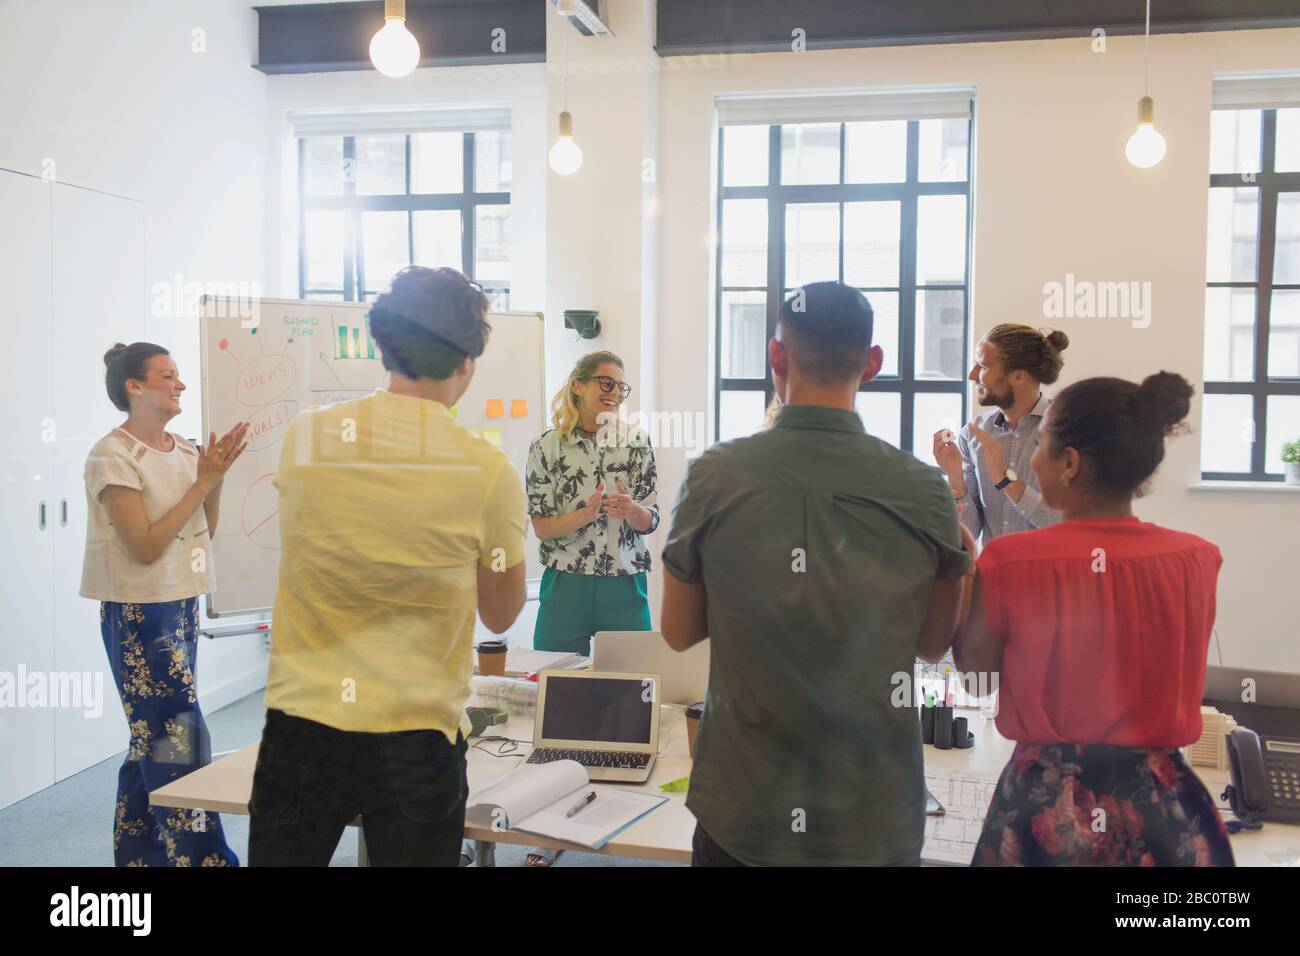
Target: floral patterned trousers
(151,649)
(1101,805)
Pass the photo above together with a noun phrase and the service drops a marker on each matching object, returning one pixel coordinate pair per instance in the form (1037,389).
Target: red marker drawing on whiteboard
(224,345)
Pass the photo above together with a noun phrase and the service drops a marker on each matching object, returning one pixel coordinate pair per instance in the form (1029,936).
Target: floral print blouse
(562,475)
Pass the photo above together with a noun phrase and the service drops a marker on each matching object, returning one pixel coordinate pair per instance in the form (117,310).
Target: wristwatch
(1007,479)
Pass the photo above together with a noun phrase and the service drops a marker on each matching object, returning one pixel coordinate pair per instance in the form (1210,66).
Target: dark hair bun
(1029,349)
(125,362)
(113,354)
(1165,399)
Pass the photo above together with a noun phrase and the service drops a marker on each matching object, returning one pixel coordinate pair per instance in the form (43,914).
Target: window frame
(907,193)
(355,205)
(1260,387)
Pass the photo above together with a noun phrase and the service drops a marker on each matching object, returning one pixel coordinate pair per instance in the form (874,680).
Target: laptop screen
(608,710)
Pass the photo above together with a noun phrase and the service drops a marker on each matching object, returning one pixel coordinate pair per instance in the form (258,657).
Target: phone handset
(1248,794)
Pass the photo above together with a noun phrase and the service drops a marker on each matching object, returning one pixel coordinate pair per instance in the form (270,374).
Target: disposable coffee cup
(492,659)
(693,714)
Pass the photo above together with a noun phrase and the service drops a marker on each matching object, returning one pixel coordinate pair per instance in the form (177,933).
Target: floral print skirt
(151,650)
(1101,805)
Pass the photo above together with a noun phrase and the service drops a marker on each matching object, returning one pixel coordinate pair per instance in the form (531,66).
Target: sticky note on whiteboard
(496,408)
(492,436)
(519,408)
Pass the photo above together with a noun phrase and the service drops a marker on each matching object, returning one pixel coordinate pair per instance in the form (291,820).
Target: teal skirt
(576,606)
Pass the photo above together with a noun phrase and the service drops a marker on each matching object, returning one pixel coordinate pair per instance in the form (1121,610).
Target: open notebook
(535,798)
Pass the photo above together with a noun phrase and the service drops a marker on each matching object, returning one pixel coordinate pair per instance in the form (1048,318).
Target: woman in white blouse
(153,500)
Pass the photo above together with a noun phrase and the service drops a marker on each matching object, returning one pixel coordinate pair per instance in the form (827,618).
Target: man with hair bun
(987,461)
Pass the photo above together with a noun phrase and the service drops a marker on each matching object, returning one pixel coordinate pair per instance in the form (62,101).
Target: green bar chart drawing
(354,341)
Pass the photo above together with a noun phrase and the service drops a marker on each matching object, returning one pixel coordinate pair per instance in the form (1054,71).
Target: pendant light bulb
(393,50)
(565,156)
(1146,147)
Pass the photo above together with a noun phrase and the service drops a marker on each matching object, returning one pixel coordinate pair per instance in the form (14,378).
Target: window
(880,204)
(373,204)
(1251,404)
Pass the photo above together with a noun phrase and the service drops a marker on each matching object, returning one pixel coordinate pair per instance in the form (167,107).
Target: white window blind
(844,106)
(362,122)
(1257,92)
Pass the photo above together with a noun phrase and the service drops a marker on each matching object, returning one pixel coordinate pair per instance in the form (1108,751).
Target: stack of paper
(525,660)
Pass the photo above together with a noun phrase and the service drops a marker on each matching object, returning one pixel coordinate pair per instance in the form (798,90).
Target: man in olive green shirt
(821,562)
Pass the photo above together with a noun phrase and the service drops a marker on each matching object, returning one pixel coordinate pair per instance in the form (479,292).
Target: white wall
(596,235)
(113,92)
(1053,195)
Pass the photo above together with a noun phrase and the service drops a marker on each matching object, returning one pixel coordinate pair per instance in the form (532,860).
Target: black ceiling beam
(757,26)
(324,37)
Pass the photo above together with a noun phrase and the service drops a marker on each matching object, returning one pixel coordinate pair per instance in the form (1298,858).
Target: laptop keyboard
(615,759)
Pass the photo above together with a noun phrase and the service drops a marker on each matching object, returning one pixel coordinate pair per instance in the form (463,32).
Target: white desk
(226,785)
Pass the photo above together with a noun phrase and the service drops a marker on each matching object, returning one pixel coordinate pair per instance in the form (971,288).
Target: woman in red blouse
(1099,628)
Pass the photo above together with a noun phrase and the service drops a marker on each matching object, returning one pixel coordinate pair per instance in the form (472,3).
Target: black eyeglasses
(607,385)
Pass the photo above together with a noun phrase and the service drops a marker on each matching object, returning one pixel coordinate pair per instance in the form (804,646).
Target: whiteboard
(266,360)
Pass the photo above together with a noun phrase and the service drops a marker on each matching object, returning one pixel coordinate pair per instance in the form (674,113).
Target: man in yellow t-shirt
(396,526)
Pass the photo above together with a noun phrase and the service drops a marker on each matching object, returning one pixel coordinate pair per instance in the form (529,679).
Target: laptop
(609,723)
(685,675)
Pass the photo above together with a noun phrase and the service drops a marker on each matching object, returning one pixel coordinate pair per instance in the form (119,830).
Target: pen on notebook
(591,795)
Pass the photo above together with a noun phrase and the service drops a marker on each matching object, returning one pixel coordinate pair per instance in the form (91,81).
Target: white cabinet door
(99,299)
(26,590)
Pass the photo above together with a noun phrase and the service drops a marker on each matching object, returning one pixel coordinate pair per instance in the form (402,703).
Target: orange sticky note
(496,408)
(492,436)
(519,408)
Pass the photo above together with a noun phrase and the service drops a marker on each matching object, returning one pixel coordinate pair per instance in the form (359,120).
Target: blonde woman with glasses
(592,500)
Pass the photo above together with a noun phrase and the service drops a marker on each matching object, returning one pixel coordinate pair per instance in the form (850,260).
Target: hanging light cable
(1146,146)
(565,157)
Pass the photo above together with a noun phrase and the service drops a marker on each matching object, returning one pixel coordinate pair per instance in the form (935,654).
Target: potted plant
(1291,458)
